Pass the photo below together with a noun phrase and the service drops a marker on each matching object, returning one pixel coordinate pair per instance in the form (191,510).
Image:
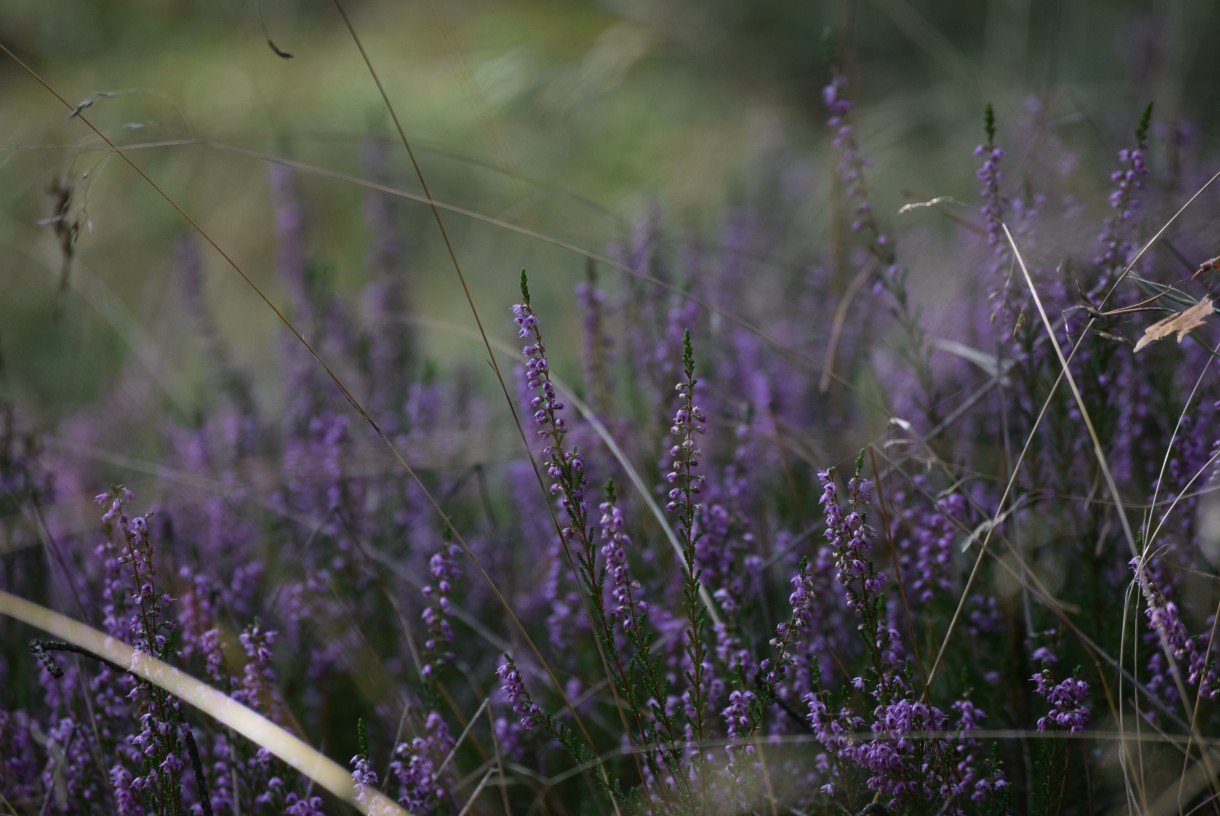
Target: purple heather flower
(927,552)
(19,758)
(70,770)
(1116,239)
(443,571)
(834,731)
(910,756)
(565,468)
(124,792)
(364,778)
(849,539)
(416,768)
(259,685)
(724,544)
(689,421)
(984,617)
(994,203)
(130,576)
(623,608)
(1165,620)
(1067,698)
(598,342)
(304,806)
(736,713)
(788,640)
(135,611)
(515,693)
(113,500)
(197,616)
(851,172)
(739,723)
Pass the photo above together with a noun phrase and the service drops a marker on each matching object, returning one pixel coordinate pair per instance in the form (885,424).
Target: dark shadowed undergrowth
(789,523)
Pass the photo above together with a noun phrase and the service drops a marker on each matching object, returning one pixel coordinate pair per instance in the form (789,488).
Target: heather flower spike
(364,778)
(991,177)
(1116,238)
(515,693)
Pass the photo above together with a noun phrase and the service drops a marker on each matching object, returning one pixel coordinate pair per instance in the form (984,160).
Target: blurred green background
(566,119)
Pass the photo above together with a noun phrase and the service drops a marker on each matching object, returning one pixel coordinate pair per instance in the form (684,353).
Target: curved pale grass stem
(225,710)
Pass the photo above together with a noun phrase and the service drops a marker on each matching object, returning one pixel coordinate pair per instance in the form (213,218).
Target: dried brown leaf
(1181,323)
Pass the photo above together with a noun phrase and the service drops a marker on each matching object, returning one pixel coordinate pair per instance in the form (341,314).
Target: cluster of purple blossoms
(598,342)
(1116,239)
(158,744)
(737,719)
(259,686)
(623,607)
(689,420)
(998,210)
(443,571)
(910,756)
(788,640)
(1067,699)
(851,163)
(740,721)
(128,563)
(364,779)
(71,771)
(297,805)
(546,405)
(927,552)
(513,688)
(415,768)
(280,799)
(992,177)
(834,730)
(850,539)
(1165,620)
(197,612)
(851,173)
(158,748)
(565,468)
(125,799)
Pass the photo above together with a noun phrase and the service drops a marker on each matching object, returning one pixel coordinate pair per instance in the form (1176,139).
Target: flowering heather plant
(963,565)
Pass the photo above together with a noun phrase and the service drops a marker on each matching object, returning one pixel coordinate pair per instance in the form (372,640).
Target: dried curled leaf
(1181,323)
